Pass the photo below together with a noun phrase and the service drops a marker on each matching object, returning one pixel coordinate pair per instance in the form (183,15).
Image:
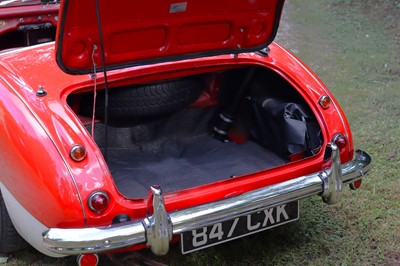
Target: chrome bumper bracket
(332,176)
(157,224)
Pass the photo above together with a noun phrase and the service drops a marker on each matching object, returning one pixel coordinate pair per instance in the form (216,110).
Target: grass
(354,48)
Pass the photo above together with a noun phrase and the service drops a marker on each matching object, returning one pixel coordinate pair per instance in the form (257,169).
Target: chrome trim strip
(326,183)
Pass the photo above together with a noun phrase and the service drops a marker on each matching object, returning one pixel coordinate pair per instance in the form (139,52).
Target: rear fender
(32,169)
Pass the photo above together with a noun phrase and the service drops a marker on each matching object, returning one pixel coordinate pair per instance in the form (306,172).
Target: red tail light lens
(88,260)
(78,153)
(98,201)
(340,141)
(325,101)
(356,184)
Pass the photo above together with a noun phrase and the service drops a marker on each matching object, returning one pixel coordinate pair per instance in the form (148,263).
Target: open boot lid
(144,32)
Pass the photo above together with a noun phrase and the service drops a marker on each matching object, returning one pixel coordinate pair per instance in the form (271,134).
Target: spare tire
(144,100)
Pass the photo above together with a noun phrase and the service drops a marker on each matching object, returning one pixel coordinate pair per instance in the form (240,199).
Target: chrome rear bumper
(157,229)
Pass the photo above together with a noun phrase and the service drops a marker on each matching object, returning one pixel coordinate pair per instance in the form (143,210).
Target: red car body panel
(64,129)
(135,33)
(23,18)
(154,42)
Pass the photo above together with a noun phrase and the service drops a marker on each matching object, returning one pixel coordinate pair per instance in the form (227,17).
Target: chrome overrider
(157,228)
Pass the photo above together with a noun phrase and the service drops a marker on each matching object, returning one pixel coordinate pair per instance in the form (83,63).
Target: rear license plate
(239,227)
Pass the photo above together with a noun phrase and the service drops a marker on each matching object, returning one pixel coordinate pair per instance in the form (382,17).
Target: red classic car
(156,122)
(27,22)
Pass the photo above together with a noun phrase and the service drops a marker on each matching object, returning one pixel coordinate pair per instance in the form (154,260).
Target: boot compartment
(196,130)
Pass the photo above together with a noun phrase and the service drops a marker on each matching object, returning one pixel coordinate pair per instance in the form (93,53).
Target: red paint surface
(37,134)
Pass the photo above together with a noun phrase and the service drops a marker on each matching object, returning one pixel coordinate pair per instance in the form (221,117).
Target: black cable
(226,117)
(103,59)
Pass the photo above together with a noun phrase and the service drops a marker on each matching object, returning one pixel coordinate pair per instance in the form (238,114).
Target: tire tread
(10,240)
